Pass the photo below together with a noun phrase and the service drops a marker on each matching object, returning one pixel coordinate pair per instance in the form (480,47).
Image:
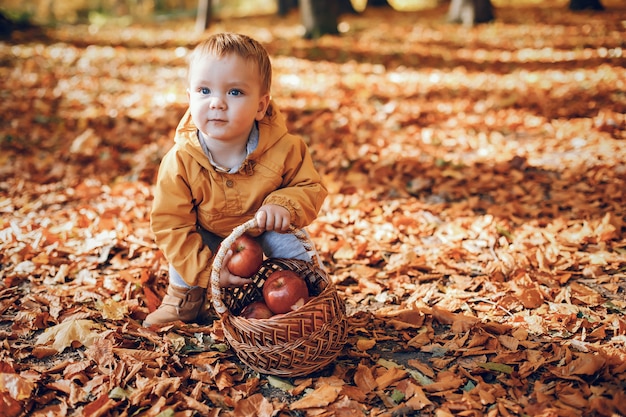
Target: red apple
(247,257)
(256,310)
(284,291)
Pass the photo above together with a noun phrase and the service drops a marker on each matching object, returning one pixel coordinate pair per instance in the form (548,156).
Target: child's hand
(226,278)
(273,217)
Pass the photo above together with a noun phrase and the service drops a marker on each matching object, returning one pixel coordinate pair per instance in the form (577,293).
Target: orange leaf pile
(475,223)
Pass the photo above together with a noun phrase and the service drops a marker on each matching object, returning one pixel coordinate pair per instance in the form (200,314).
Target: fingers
(236,281)
(227,256)
(265,220)
(272,221)
(261,219)
(228,280)
(281,224)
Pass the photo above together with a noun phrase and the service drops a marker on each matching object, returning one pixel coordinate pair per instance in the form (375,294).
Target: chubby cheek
(198,112)
(196,119)
(196,105)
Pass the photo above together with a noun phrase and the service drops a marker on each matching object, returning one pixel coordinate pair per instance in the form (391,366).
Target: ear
(264,102)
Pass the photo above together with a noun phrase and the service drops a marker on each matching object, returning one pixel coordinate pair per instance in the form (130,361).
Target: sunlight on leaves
(18,388)
(64,334)
(113,310)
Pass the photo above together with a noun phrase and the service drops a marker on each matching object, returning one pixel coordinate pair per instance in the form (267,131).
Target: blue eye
(235,92)
(204,90)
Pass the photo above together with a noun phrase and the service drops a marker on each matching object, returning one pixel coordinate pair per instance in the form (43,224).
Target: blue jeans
(274,244)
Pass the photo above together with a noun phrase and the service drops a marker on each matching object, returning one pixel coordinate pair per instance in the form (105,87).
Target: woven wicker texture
(292,344)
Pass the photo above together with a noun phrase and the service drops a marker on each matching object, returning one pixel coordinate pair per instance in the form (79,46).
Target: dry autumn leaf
(320,397)
(17,387)
(364,379)
(85,332)
(254,406)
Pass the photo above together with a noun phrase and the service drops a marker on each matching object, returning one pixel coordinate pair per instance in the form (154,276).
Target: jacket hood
(271,128)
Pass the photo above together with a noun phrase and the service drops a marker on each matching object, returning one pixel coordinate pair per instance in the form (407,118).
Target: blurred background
(94,11)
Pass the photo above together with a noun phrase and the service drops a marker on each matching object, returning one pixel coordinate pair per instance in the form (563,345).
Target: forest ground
(474,228)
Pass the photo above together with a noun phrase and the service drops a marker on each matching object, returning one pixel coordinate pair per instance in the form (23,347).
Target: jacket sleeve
(173,222)
(302,191)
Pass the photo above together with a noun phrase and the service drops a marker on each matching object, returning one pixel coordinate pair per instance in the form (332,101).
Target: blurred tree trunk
(378,3)
(343,6)
(585,4)
(203,18)
(6,26)
(346,7)
(319,17)
(285,6)
(470,12)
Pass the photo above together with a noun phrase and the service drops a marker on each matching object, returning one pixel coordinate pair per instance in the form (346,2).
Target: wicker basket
(296,343)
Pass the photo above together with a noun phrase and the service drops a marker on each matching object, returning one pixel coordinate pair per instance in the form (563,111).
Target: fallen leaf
(320,397)
(254,406)
(364,379)
(499,367)
(365,344)
(17,387)
(74,330)
(280,383)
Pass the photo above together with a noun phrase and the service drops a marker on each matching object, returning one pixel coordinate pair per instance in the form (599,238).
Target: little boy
(233,159)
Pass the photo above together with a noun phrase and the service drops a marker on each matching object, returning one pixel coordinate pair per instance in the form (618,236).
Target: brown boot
(179,303)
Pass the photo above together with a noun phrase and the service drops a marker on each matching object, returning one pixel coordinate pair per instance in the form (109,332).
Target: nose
(217,103)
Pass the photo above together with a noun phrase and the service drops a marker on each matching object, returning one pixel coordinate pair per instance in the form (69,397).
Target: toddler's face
(225,97)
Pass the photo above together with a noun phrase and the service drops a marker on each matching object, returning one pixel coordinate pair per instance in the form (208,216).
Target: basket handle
(216,290)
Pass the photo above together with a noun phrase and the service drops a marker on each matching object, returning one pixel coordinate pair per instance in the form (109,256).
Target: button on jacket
(190,192)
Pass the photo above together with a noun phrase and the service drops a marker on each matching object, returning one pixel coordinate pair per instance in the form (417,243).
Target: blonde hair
(222,44)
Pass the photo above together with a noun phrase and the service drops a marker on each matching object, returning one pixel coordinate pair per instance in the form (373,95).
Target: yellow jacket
(190,192)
